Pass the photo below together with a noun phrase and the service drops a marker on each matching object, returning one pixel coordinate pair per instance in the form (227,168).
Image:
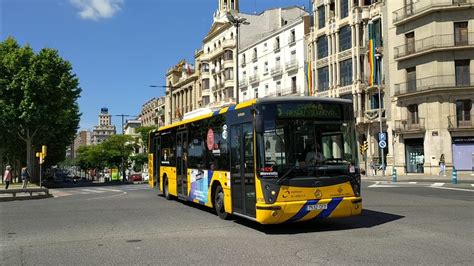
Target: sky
(118,48)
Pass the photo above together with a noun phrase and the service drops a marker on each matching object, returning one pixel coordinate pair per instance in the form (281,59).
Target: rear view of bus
(307,165)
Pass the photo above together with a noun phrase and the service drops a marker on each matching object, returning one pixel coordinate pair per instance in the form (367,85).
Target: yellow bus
(271,160)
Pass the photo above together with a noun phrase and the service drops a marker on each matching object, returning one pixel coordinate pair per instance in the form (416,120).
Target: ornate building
(104,129)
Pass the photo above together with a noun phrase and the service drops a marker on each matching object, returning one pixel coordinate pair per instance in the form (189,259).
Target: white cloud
(97,9)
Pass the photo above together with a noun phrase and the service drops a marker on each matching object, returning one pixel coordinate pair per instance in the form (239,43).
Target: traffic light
(364,147)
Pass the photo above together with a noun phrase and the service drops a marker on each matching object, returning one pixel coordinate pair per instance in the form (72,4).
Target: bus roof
(253,102)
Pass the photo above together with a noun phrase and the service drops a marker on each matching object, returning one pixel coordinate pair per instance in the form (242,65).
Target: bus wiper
(283,177)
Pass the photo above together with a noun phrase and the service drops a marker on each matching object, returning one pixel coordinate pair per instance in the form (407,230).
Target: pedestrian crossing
(389,184)
(65,192)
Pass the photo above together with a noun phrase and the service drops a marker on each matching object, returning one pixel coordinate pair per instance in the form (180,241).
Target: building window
(293,85)
(346,72)
(374,101)
(292,38)
(266,89)
(265,68)
(462,73)
(378,33)
(254,55)
(323,79)
(411,79)
(410,42)
(344,8)
(276,45)
(321,17)
(228,55)
(345,39)
(463,110)
(460,33)
(229,74)
(256,93)
(322,46)
(205,84)
(413,118)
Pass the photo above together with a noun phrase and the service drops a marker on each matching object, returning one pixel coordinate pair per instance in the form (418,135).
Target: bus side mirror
(259,124)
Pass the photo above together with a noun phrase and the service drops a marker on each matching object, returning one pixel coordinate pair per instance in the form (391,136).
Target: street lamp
(236,22)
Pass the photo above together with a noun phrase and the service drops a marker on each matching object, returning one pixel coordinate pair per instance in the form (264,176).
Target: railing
(291,40)
(433,82)
(243,82)
(276,47)
(455,123)
(407,125)
(433,42)
(291,90)
(291,65)
(277,70)
(412,9)
(254,79)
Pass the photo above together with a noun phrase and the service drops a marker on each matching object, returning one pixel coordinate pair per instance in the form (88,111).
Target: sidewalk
(463,177)
(21,196)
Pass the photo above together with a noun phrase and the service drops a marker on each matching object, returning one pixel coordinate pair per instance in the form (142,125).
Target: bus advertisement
(271,160)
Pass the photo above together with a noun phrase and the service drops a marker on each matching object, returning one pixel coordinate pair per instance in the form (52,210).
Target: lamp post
(377,57)
(236,22)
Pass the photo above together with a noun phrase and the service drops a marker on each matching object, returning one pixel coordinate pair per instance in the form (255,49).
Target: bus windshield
(307,140)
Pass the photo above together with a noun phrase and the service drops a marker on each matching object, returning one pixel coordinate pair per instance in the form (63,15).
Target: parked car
(136,177)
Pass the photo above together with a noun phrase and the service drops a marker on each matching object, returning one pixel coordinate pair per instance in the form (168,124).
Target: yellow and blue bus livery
(271,160)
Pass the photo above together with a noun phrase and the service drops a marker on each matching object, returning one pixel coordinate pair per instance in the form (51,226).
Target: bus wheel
(166,193)
(219,203)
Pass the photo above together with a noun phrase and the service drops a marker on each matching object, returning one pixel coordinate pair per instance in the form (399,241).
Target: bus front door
(182,164)
(242,169)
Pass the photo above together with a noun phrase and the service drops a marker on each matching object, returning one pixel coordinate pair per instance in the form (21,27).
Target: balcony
(291,90)
(407,126)
(254,79)
(454,124)
(413,10)
(291,40)
(222,103)
(243,82)
(291,65)
(433,83)
(276,47)
(276,71)
(228,44)
(433,43)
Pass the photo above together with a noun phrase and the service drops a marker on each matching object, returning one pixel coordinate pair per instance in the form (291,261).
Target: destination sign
(318,111)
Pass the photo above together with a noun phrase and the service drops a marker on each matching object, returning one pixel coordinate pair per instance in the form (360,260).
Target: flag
(309,78)
(371,57)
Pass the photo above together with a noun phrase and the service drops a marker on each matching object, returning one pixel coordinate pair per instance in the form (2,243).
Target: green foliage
(38,102)
(111,153)
(144,132)
(139,160)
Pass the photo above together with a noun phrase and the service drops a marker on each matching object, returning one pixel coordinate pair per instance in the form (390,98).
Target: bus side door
(182,165)
(242,169)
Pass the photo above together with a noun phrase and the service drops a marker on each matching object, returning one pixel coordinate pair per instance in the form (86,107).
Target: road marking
(108,189)
(412,182)
(451,188)
(92,190)
(109,196)
(472,185)
(437,185)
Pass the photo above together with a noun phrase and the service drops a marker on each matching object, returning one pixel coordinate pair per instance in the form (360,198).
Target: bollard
(454,177)
(394,175)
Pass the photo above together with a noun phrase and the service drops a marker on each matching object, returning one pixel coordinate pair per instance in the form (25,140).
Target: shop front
(414,155)
(463,153)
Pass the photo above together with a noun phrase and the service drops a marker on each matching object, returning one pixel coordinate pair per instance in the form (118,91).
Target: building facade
(343,66)
(274,65)
(432,75)
(148,115)
(104,129)
(83,138)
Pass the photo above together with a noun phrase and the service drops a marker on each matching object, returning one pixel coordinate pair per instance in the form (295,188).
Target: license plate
(316,207)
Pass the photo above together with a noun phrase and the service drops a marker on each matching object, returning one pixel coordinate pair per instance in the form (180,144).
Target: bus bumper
(298,211)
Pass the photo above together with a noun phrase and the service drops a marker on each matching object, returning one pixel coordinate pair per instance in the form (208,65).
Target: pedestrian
(442,165)
(25,176)
(7,176)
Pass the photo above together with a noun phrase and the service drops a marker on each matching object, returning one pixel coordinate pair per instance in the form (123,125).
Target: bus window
(196,146)
(168,149)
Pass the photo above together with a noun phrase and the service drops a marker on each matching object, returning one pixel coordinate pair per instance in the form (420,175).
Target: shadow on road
(87,184)
(20,198)
(367,219)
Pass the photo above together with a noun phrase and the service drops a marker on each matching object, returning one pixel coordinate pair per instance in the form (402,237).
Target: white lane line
(458,189)
(108,189)
(91,190)
(110,196)
(437,185)
(472,185)
(412,182)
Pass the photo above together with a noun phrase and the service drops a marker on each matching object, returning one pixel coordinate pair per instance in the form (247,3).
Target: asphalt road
(401,224)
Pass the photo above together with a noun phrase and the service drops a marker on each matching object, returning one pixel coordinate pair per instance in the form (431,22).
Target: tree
(144,132)
(38,102)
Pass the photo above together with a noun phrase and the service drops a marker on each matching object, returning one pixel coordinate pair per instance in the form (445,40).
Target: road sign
(383,136)
(382,144)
